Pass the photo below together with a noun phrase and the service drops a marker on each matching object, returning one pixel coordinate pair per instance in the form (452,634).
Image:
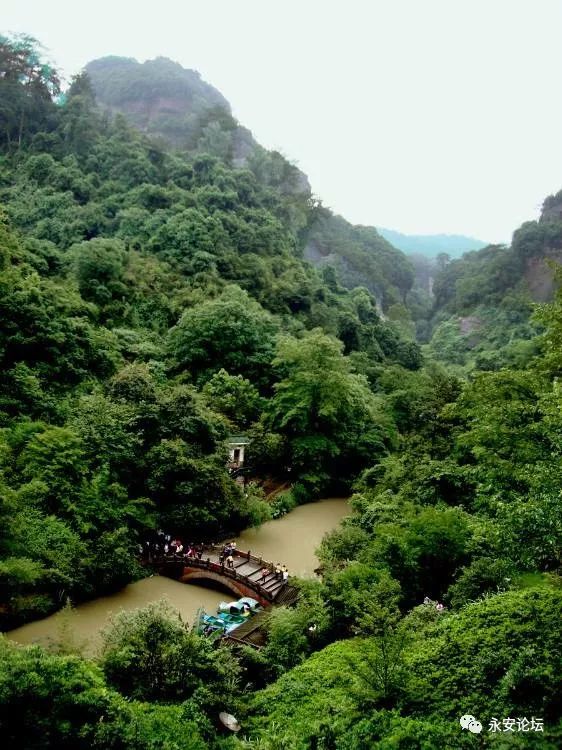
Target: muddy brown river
(291,540)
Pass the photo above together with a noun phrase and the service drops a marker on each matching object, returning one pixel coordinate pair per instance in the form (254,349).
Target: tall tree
(333,422)
(27,87)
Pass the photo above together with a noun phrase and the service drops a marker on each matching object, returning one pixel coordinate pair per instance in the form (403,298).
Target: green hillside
(483,302)
(177,107)
(155,298)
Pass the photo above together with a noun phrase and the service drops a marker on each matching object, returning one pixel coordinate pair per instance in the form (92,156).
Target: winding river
(291,540)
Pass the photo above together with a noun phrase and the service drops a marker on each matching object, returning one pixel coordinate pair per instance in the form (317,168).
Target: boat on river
(244,606)
(229,616)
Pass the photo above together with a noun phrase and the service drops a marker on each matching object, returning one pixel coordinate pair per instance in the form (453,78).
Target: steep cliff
(495,289)
(167,101)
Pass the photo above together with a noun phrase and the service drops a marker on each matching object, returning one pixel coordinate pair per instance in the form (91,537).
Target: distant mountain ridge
(431,245)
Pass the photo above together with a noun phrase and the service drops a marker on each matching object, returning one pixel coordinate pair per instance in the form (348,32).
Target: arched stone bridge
(243,579)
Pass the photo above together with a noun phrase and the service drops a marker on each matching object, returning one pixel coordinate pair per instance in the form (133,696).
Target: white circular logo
(469,722)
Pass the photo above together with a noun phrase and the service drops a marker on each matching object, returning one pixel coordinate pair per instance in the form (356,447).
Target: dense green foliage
(151,655)
(466,512)
(332,421)
(480,316)
(55,701)
(152,302)
(497,658)
(147,298)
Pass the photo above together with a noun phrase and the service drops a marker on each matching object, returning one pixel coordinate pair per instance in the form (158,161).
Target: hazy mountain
(162,98)
(432,244)
(174,104)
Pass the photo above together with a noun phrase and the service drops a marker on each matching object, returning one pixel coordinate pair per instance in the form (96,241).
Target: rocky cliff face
(157,96)
(539,272)
(552,208)
(166,101)
(539,275)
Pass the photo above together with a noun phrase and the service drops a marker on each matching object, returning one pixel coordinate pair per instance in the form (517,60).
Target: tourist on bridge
(230,561)
(264,573)
(285,573)
(278,571)
(199,552)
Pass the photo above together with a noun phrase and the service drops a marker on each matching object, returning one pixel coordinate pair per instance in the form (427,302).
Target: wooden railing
(205,563)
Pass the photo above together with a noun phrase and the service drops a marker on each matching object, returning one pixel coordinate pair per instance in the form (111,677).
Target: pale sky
(422,116)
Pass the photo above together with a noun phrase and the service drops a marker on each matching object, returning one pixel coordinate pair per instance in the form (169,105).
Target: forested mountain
(431,245)
(175,107)
(166,101)
(173,104)
(482,305)
(153,300)
(143,293)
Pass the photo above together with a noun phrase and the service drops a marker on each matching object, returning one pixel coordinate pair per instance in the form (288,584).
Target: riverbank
(291,540)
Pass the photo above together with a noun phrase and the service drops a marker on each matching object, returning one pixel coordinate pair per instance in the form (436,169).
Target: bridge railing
(205,563)
(242,555)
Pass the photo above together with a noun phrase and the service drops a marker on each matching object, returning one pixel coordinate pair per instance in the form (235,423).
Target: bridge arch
(247,575)
(238,587)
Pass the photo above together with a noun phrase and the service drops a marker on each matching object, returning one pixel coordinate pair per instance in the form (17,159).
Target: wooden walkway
(250,567)
(250,633)
(246,570)
(245,576)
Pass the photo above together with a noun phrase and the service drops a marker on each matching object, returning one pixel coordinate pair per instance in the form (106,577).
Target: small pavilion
(236,446)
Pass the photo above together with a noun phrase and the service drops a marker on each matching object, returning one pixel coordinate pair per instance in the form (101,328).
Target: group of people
(281,573)
(163,544)
(227,554)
